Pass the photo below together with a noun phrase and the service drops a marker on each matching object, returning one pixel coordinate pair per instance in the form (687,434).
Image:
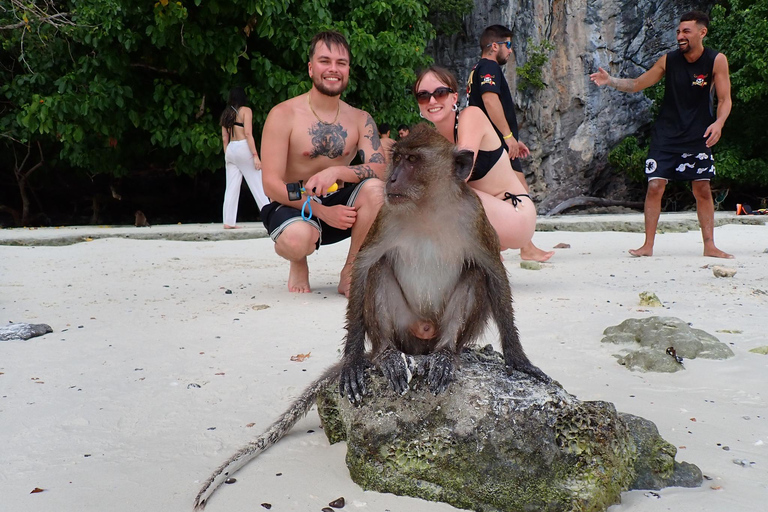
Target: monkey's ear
(463,159)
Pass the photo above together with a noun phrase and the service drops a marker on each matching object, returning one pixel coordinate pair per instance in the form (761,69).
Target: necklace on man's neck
(338,109)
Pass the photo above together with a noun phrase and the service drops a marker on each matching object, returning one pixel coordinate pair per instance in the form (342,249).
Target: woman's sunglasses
(422,97)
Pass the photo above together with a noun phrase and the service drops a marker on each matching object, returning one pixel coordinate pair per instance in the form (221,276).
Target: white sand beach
(155,373)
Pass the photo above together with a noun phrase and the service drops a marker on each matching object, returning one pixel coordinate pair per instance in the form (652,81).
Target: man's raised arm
(647,79)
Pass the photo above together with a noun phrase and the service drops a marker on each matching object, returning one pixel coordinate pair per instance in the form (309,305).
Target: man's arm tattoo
(363,171)
(377,158)
(622,84)
(372,133)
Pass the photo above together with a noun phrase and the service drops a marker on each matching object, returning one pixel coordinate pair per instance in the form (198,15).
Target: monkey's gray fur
(431,258)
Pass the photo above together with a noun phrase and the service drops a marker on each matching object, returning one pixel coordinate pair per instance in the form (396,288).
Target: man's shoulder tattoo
(372,132)
(328,140)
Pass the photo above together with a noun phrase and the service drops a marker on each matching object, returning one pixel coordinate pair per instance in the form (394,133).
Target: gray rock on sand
(650,338)
(23,331)
(498,443)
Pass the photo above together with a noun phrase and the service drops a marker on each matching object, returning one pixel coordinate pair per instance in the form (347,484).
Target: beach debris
(267,505)
(300,357)
(720,271)
(37,490)
(649,339)
(562,245)
(220,373)
(716,487)
(650,300)
(672,352)
(23,331)
(250,425)
(651,494)
(140,220)
(326,509)
(730,331)
(230,480)
(228,292)
(338,503)
(259,307)
(530,265)
(743,463)
(760,350)
(192,385)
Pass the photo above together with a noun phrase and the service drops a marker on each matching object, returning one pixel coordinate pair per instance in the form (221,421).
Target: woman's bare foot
(298,277)
(642,251)
(345,280)
(232,227)
(532,253)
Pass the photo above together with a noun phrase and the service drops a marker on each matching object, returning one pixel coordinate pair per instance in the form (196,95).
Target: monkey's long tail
(272,435)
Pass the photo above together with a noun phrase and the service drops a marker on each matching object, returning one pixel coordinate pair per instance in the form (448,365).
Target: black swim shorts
(693,166)
(276,217)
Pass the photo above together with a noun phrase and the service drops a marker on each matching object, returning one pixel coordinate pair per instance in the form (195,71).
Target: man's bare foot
(643,251)
(232,227)
(345,280)
(717,253)
(298,277)
(533,253)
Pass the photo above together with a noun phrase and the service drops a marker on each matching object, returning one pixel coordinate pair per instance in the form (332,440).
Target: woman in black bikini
(508,207)
(240,155)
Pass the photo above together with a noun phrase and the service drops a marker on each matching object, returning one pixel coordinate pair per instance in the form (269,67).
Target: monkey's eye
(396,158)
(412,158)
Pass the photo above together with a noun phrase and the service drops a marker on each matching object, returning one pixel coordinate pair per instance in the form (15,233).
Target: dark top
(485,159)
(487,76)
(686,111)
(241,125)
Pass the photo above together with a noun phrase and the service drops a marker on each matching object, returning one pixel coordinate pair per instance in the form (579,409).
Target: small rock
(649,299)
(267,505)
(230,480)
(338,503)
(562,246)
(192,385)
(760,350)
(228,292)
(743,462)
(22,331)
(719,271)
(530,265)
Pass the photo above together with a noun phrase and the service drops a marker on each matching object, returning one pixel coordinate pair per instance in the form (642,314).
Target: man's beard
(686,48)
(323,89)
(501,61)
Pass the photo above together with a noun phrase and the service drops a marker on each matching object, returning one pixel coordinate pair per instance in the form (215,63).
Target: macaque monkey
(424,285)
(429,274)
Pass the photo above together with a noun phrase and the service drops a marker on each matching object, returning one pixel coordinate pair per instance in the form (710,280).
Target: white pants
(239,161)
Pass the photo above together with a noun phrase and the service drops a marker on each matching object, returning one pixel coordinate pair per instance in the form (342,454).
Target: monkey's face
(425,168)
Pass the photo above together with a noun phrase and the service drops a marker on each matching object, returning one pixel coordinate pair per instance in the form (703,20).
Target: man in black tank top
(686,129)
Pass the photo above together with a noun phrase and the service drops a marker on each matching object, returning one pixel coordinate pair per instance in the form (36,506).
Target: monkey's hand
(441,371)
(397,369)
(352,380)
(531,370)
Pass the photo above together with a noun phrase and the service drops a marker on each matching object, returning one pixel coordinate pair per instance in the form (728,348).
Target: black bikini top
(485,160)
(241,125)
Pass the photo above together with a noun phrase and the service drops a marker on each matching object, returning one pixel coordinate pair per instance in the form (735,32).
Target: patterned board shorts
(666,165)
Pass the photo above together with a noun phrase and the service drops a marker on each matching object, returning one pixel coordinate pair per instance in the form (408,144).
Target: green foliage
(529,74)
(628,157)
(447,15)
(128,86)
(739,29)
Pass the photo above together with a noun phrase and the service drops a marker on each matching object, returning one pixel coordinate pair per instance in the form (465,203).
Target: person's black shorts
(517,165)
(276,217)
(692,166)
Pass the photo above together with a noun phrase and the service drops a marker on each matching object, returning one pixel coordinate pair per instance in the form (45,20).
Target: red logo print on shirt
(700,80)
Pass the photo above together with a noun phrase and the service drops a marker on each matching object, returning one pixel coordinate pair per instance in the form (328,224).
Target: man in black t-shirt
(685,131)
(487,89)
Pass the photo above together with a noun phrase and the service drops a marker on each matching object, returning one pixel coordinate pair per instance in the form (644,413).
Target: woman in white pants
(240,155)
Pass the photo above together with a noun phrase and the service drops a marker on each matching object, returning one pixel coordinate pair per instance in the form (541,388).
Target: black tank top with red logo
(686,111)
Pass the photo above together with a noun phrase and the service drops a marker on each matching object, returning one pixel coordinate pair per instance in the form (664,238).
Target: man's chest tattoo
(328,140)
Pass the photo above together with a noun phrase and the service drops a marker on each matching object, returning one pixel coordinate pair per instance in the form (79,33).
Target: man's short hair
(383,128)
(699,17)
(493,34)
(330,38)
(403,127)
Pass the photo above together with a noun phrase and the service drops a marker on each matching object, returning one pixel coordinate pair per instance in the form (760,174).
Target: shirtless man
(685,131)
(313,138)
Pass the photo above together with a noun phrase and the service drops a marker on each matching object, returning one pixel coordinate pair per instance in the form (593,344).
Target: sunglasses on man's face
(508,44)
(422,97)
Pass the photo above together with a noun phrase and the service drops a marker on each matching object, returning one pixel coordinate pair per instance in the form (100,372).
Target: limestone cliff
(571,125)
